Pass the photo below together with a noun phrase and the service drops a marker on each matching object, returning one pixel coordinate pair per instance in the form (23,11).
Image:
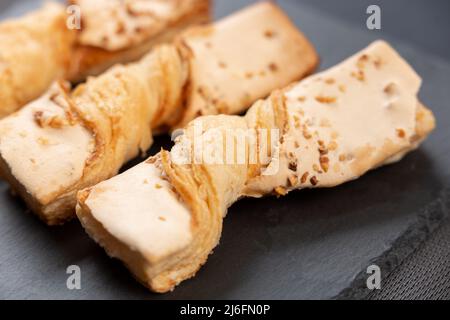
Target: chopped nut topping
(390,89)
(377,62)
(145,181)
(306,134)
(151,160)
(301,98)
(249,75)
(330,81)
(162,218)
(325,99)
(43,141)
(120,27)
(222,64)
(314,181)
(293,180)
(323,150)
(304,177)
(332,146)
(281,191)
(360,76)
(401,133)
(158,186)
(269,34)
(273,67)
(324,163)
(297,122)
(316,168)
(296,144)
(362,60)
(342,157)
(38,118)
(293,166)
(342,88)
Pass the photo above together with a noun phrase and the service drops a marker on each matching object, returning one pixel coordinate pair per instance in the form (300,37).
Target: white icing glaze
(45,160)
(139,208)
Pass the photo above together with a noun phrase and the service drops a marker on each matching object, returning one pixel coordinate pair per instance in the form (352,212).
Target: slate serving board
(312,244)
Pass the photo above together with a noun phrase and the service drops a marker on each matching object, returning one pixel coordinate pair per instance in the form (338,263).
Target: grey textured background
(311,244)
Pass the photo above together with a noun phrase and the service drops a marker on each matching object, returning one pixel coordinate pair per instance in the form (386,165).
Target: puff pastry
(34,51)
(39,48)
(163,217)
(66,141)
(117,31)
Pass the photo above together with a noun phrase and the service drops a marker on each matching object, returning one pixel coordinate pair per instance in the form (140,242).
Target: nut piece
(314,181)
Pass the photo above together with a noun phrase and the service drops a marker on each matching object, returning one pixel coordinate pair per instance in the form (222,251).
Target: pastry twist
(41,47)
(66,141)
(71,140)
(328,129)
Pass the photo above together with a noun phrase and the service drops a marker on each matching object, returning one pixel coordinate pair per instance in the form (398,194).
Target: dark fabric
(418,264)
(423,275)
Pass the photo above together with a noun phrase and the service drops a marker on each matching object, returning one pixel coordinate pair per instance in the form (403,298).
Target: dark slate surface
(311,244)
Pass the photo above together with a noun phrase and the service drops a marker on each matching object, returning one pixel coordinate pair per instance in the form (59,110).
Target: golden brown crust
(34,51)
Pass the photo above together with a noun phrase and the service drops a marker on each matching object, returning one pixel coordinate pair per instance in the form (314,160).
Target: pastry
(39,48)
(163,217)
(117,31)
(69,140)
(34,51)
